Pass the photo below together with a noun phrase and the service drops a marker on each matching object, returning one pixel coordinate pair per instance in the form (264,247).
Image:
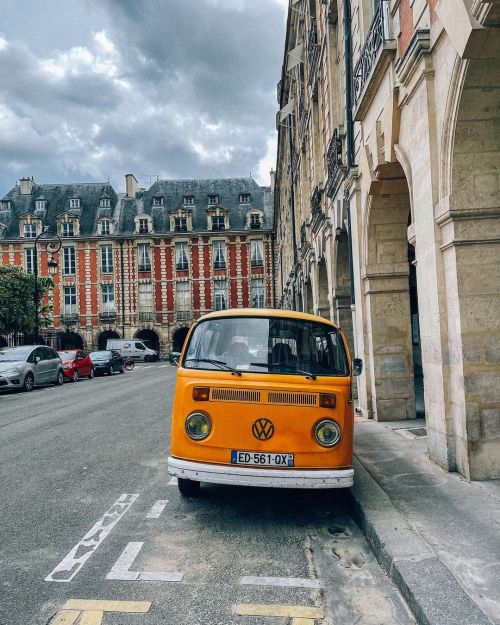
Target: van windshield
(267,345)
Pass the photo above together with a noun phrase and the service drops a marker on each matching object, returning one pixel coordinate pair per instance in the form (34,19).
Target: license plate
(261,459)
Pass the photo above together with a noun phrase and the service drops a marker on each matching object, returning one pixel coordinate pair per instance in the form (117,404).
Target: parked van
(133,349)
(263,398)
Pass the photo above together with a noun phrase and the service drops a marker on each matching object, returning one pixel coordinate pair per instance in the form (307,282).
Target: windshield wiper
(218,363)
(287,366)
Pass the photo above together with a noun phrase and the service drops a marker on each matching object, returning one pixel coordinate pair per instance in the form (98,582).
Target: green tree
(17,301)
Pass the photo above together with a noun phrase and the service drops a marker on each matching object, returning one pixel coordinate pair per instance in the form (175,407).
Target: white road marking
(148,367)
(163,366)
(81,552)
(121,568)
(173,481)
(282,582)
(157,509)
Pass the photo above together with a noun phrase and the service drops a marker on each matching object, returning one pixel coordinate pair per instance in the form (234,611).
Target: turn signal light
(201,393)
(327,400)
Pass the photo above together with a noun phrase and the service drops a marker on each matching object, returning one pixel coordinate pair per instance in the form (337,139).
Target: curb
(432,593)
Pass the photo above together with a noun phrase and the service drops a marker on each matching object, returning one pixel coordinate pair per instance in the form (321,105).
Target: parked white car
(133,349)
(29,366)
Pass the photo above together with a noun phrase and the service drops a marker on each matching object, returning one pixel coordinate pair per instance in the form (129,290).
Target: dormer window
(213,200)
(40,205)
(218,222)
(29,231)
(6,205)
(143,226)
(158,200)
(105,202)
(244,198)
(255,221)
(68,229)
(188,200)
(180,224)
(105,227)
(74,202)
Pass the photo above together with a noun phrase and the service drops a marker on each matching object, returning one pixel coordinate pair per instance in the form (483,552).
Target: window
(255,221)
(108,298)
(5,205)
(30,231)
(144,257)
(30,260)
(188,200)
(107,259)
(244,198)
(67,229)
(69,300)
(181,256)
(219,255)
(145,292)
(258,293)
(143,226)
(180,224)
(40,205)
(69,261)
(218,222)
(220,294)
(74,202)
(105,202)
(213,200)
(158,201)
(256,254)
(183,296)
(105,229)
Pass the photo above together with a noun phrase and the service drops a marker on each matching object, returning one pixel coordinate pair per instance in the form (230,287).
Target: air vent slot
(292,399)
(235,394)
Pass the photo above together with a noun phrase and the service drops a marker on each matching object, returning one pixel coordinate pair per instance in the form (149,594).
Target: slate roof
(124,209)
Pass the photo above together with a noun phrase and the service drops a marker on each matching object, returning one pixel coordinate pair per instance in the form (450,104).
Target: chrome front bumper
(271,478)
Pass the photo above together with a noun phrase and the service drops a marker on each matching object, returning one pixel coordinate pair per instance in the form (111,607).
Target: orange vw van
(263,398)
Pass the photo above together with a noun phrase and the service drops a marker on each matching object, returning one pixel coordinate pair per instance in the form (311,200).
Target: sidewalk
(437,535)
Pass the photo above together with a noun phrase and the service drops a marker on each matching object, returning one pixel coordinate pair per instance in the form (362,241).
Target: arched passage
(342,287)
(70,340)
(178,339)
(323,307)
(149,338)
(104,336)
(308,297)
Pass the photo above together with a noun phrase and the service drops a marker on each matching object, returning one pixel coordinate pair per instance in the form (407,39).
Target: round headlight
(198,426)
(327,433)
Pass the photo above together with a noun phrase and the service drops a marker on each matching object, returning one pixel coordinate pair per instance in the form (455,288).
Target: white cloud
(267,162)
(3,43)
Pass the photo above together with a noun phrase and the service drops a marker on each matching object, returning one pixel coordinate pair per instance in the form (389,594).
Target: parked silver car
(28,366)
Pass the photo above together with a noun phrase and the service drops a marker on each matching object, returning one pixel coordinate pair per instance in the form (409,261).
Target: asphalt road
(88,513)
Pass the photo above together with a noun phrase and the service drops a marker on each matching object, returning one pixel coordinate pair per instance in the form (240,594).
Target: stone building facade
(388,171)
(145,263)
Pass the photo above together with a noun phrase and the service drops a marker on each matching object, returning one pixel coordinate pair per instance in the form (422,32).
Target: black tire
(110,370)
(188,488)
(29,383)
(60,378)
(122,369)
(76,376)
(91,374)
(147,358)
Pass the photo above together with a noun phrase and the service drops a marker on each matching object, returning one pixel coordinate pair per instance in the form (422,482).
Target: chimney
(131,187)
(27,185)
(273,179)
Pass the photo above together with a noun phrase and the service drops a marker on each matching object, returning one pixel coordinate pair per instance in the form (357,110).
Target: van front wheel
(188,488)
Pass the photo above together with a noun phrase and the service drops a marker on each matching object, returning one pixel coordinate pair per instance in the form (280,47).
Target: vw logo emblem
(263,429)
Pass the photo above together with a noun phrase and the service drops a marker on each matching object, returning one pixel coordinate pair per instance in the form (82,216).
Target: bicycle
(128,364)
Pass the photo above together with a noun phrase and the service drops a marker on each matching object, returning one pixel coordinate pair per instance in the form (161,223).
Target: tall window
(255,221)
(30,231)
(220,294)
(67,229)
(40,205)
(143,226)
(30,260)
(146,300)
(258,293)
(256,253)
(108,298)
(107,259)
(74,202)
(218,222)
(219,255)
(69,261)
(183,296)
(181,256)
(213,200)
(69,300)
(144,257)
(105,229)
(180,224)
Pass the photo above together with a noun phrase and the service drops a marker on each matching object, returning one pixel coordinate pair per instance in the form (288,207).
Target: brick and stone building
(387,206)
(145,263)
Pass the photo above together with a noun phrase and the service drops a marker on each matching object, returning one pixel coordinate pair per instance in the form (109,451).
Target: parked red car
(76,364)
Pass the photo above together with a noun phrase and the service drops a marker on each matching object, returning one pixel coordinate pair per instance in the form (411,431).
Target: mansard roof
(123,209)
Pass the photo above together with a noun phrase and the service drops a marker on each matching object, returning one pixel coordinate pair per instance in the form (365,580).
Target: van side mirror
(173,358)
(357,366)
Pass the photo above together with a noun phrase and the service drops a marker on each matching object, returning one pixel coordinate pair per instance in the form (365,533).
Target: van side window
(140,346)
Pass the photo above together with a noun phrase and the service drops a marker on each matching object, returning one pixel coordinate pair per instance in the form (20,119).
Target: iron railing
(69,318)
(107,316)
(312,51)
(334,162)
(146,316)
(183,314)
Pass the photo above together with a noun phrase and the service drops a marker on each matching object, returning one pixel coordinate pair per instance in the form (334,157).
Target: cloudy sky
(95,89)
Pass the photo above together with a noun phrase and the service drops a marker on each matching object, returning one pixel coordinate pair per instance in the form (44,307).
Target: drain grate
(412,432)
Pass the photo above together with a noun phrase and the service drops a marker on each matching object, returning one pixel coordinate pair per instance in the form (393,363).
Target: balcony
(312,52)
(183,315)
(182,266)
(294,161)
(108,316)
(334,162)
(69,318)
(257,263)
(145,267)
(146,316)
(373,57)
(317,215)
(220,264)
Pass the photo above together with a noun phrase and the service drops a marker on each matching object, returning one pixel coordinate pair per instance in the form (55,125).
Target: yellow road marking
(107,606)
(92,617)
(66,617)
(296,612)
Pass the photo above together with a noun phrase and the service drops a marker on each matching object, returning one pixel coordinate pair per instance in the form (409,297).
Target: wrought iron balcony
(146,316)
(183,314)
(294,160)
(144,267)
(372,50)
(107,316)
(312,52)
(69,318)
(334,162)
(317,215)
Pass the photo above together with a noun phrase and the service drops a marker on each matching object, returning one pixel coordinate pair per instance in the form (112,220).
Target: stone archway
(103,337)
(308,297)
(178,339)
(341,293)
(70,340)
(323,302)
(149,338)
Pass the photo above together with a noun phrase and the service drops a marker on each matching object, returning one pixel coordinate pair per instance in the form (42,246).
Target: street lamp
(52,244)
